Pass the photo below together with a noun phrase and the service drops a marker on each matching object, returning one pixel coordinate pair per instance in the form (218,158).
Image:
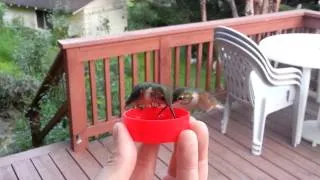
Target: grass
(8,42)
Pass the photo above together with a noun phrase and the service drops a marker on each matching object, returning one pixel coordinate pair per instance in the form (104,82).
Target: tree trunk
(203,10)
(249,9)
(276,6)
(233,8)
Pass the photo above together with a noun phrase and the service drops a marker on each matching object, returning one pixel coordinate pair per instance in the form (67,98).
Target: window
(42,19)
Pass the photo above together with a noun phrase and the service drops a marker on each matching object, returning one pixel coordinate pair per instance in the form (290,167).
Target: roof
(67,5)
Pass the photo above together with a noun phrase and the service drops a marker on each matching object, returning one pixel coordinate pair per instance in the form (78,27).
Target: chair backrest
(239,59)
(250,43)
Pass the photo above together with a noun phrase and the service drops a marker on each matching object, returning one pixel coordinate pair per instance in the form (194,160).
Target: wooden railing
(101,71)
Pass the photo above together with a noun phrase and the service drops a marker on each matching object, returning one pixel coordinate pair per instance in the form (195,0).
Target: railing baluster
(177,67)
(209,66)
(199,63)
(121,84)
(188,65)
(156,66)
(93,91)
(107,88)
(134,69)
(147,70)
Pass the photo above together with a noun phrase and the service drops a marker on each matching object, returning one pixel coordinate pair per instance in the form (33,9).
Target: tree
(254,7)
(233,8)
(203,10)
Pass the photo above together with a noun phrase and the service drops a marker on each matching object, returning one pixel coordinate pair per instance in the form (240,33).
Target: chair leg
(259,119)
(226,115)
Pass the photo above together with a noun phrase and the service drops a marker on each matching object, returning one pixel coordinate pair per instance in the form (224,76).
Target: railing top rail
(174,29)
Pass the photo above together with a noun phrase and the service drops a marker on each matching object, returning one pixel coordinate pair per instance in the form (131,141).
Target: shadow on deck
(229,155)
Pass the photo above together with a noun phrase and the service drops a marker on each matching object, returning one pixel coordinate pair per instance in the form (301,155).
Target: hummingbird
(195,99)
(150,94)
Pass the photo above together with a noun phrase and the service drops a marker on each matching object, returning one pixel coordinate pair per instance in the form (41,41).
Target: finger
(201,130)
(146,162)
(173,161)
(187,156)
(123,163)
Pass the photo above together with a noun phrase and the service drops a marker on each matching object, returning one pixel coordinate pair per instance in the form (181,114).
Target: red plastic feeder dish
(144,125)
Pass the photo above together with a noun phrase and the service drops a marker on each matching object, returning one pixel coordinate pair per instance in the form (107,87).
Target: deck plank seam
(272,150)
(57,166)
(36,169)
(265,158)
(210,164)
(14,171)
(294,150)
(95,158)
(82,169)
(230,149)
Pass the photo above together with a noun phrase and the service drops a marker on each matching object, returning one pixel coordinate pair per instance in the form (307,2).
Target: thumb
(124,158)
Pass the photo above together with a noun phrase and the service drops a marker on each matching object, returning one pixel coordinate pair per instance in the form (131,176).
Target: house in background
(88,17)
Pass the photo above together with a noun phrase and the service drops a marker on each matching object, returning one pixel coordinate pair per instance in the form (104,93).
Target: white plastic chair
(250,79)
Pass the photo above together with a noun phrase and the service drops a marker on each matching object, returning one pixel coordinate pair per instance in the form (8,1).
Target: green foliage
(16,92)
(104,24)
(31,55)
(22,136)
(148,13)
(60,25)
(8,42)
(2,11)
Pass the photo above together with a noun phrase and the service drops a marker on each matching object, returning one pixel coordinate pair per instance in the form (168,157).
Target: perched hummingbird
(195,99)
(151,94)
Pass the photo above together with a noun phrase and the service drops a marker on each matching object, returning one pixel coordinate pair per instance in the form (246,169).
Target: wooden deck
(230,156)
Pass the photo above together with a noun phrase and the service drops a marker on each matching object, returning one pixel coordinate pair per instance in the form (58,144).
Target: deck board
(229,154)
(25,170)
(87,163)
(6,172)
(69,168)
(46,168)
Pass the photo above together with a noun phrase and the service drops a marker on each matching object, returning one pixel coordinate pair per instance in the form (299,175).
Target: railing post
(77,99)
(165,62)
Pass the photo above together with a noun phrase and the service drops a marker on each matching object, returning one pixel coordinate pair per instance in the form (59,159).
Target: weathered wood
(199,65)
(135,67)
(99,152)
(7,173)
(67,166)
(177,67)
(209,66)
(7,160)
(165,62)
(46,168)
(86,162)
(25,170)
(147,64)
(156,66)
(121,84)
(188,66)
(77,100)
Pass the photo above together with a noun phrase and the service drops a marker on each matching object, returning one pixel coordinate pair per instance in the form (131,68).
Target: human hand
(189,159)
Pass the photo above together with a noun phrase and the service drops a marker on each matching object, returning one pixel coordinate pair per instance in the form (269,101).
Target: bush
(2,10)
(31,55)
(16,92)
